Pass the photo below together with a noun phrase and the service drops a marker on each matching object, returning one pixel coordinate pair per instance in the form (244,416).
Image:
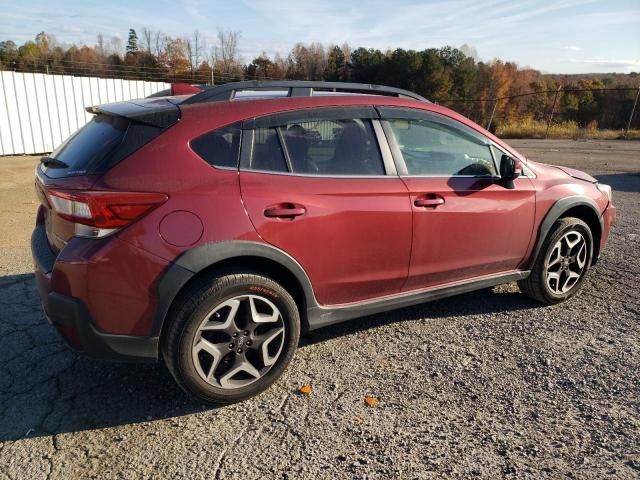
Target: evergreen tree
(132,42)
(336,65)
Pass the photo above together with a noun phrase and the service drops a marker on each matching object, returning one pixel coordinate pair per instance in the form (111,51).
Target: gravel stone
(487,384)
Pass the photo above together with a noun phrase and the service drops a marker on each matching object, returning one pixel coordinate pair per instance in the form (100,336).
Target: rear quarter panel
(168,165)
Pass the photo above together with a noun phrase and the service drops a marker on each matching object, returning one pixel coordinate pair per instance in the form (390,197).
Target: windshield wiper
(53,162)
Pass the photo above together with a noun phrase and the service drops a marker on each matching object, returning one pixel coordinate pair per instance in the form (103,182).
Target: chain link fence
(566,112)
(569,109)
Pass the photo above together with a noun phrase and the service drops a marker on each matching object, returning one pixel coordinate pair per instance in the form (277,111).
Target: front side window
(431,148)
(319,147)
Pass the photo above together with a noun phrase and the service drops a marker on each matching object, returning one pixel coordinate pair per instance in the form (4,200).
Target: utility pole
(553,109)
(633,110)
(493,112)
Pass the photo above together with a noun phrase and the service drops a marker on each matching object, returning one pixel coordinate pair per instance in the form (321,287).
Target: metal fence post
(553,108)
(493,112)
(633,110)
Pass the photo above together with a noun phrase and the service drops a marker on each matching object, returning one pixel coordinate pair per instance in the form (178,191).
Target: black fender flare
(195,260)
(555,212)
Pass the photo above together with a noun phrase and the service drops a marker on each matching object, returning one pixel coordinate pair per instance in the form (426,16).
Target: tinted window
(268,154)
(333,147)
(221,147)
(89,145)
(434,148)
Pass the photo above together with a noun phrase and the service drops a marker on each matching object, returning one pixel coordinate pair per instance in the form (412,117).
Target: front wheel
(231,336)
(562,264)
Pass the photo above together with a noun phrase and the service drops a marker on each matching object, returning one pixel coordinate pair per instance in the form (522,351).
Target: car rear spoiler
(157,112)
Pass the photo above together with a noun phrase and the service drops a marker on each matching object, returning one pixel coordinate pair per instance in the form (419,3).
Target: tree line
(495,90)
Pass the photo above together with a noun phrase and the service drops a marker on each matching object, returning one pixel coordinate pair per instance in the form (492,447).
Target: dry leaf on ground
(305,389)
(371,401)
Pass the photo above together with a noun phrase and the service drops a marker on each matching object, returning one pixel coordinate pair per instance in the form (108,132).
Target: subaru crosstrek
(211,228)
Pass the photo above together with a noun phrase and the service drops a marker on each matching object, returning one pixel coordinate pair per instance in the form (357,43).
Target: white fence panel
(38,111)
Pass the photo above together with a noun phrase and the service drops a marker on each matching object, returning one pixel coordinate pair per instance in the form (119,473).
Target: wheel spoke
(581,257)
(228,325)
(572,278)
(572,243)
(555,256)
(262,343)
(258,317)
(226,381)
(553,276)
(216,350)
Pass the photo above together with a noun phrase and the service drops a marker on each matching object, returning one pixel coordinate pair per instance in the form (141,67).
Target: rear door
(317,185)
(465,223)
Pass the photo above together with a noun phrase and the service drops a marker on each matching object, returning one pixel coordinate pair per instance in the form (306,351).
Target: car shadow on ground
(622,182)
(46,389)
(486,301)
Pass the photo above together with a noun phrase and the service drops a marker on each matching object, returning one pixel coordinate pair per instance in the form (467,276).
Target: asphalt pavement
(488,384)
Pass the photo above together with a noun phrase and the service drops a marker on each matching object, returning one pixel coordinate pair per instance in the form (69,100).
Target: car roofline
(295,88)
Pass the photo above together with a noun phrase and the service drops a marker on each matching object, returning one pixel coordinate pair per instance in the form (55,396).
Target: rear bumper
(74,322)
(70,315)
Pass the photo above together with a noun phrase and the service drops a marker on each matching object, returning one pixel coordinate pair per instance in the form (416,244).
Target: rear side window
(267,153)
(320,147)
(89,146)
(221,147)
(333,147)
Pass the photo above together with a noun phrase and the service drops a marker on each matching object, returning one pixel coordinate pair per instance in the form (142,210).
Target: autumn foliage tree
(496,90)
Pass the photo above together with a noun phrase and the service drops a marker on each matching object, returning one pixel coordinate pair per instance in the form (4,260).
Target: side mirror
(510,169)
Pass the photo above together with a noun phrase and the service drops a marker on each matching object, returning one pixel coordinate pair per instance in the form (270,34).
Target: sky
(561,36)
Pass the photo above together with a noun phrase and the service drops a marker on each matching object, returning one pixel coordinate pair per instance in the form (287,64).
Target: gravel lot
(487,384)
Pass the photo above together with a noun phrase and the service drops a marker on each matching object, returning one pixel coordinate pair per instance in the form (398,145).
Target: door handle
(284,212)
(431,202)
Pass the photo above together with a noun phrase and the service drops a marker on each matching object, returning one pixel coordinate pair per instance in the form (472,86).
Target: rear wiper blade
(53,162)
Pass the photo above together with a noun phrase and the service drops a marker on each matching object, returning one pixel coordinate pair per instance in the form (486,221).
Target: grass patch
(529,128)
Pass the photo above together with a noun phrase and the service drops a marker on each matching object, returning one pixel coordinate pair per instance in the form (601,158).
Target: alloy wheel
(566,263)
(238,342)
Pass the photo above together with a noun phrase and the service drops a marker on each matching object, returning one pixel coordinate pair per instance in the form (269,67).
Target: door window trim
(526,171)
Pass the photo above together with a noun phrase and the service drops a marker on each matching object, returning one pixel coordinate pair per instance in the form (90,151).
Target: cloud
(611,64)
(71,29)
(194,9)
(573,48)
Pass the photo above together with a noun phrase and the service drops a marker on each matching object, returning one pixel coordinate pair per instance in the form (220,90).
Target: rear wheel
(562,264)
(231,336)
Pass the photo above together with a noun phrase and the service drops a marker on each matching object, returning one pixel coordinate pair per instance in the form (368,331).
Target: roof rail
(295,88)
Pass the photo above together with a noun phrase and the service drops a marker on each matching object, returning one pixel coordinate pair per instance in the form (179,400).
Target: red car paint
(359,239)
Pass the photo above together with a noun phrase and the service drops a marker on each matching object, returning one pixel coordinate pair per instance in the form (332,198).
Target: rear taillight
(97,214)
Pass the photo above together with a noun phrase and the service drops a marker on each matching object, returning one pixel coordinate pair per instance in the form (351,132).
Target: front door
(466,224)
(315,184)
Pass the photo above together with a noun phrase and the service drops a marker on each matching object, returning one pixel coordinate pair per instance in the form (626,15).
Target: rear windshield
(89,145)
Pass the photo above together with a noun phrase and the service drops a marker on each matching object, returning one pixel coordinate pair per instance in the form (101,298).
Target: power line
(142,73)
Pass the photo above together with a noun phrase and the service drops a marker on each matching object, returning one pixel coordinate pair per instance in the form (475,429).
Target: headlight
(606,189)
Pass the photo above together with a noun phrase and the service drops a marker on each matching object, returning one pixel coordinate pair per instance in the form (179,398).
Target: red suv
(211,229)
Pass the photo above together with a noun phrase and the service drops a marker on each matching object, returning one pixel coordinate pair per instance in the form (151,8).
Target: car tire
(562,263)
(230,336)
